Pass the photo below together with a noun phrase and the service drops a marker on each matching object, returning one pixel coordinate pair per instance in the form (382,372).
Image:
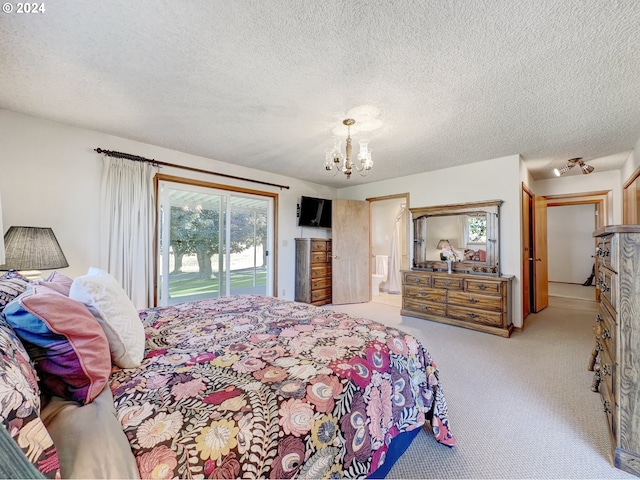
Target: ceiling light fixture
(586,169)
(335,161)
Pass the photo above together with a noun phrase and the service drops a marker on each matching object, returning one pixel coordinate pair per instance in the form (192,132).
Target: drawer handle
(473,315)
(447,282)
(473,300)
(606,369)
(417,280)
(606,334)
(607,406)
(482,287)
(598,318)
(424,307)
(424,294)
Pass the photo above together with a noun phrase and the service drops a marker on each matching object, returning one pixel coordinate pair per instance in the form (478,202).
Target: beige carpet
(519,407)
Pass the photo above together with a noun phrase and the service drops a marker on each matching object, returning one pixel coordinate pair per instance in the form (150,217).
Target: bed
(257,387)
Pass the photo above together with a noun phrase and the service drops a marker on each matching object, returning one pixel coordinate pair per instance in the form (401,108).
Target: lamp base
(32,275)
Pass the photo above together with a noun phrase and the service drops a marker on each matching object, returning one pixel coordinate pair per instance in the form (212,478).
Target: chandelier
(336,162)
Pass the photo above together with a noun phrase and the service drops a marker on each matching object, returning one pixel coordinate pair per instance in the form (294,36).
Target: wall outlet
(284,292)
(285,243)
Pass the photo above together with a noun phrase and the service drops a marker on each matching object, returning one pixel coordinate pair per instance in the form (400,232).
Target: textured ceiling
(265,83)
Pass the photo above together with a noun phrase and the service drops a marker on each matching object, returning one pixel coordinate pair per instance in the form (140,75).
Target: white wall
(593,182)
(570,242)
(50,177)
(631,164)
(497,179)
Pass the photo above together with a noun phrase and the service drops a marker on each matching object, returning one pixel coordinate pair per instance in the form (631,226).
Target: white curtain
(2,258)
(395,281)
(127,223)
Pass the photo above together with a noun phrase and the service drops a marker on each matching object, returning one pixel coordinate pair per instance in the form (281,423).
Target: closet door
(351,272)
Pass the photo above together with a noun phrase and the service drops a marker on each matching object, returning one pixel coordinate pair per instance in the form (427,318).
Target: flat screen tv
(315,212)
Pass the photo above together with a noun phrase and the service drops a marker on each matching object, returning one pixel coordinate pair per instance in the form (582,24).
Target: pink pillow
(483,255)
(58,282)
(66,342)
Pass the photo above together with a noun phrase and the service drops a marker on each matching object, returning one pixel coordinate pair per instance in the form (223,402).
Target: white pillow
(110,305)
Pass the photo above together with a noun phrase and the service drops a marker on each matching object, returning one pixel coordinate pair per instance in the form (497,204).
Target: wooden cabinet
(473,301)
(313,270)
(617,332)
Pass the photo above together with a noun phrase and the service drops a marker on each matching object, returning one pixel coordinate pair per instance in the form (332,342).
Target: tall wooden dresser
(313,270)
(617,332)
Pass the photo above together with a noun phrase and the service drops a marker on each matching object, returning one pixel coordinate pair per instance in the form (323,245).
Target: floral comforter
(253,386)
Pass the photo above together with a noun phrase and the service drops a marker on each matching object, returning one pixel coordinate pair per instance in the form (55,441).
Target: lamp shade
(32,248)
(442,243)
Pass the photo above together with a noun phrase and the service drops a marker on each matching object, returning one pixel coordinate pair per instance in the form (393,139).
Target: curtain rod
(128,156)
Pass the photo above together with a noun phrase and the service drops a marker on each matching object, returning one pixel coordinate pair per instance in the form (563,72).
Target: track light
(586,168)
(563,170)
(573,162)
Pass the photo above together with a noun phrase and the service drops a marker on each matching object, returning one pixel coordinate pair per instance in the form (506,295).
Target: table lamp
(31,249)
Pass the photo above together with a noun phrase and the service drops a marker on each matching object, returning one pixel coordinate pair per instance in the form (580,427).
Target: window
(477,229)
(213,242)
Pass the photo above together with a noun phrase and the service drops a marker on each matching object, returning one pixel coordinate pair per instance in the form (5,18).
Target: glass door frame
(272,224)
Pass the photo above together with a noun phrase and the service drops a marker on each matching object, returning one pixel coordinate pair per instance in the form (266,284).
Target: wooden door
(540,266)
(351,273)
(527,252)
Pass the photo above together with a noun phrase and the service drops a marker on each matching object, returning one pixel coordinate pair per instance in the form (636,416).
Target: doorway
(530,212)
(388,247)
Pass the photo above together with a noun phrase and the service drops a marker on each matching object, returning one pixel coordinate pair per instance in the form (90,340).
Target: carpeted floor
(520,407)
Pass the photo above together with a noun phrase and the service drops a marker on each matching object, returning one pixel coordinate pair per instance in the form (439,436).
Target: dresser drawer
(605,248)
(320,271)
(450,283)
(319,245)
(605,330)
(321,295)
(475,316)
(413,279)
(424,307)
(483,286)
(318,257)
(607,371)
(483,302)
(426,293)
(607,283)
(609,406)
(317,283)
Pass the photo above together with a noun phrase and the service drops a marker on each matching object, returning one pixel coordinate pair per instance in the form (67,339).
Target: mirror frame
(492,264)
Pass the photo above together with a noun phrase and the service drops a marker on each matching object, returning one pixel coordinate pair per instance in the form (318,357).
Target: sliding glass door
(212,243)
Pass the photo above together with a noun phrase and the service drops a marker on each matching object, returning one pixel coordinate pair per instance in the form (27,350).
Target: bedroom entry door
(212,243)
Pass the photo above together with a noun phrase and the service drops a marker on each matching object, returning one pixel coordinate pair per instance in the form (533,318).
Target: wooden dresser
(473,301)
(313,270)
(617,332)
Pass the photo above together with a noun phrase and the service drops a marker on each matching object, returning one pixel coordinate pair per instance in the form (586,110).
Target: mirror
(465,233)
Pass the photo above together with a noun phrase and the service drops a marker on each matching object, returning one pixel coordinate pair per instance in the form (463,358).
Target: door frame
(601,200)
(200,183)
(407,233)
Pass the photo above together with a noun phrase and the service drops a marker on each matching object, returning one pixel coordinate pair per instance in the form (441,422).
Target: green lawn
(184,284)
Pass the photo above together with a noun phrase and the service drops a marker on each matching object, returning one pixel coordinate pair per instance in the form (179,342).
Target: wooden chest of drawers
(472,301)
(313,270)
(617,332)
